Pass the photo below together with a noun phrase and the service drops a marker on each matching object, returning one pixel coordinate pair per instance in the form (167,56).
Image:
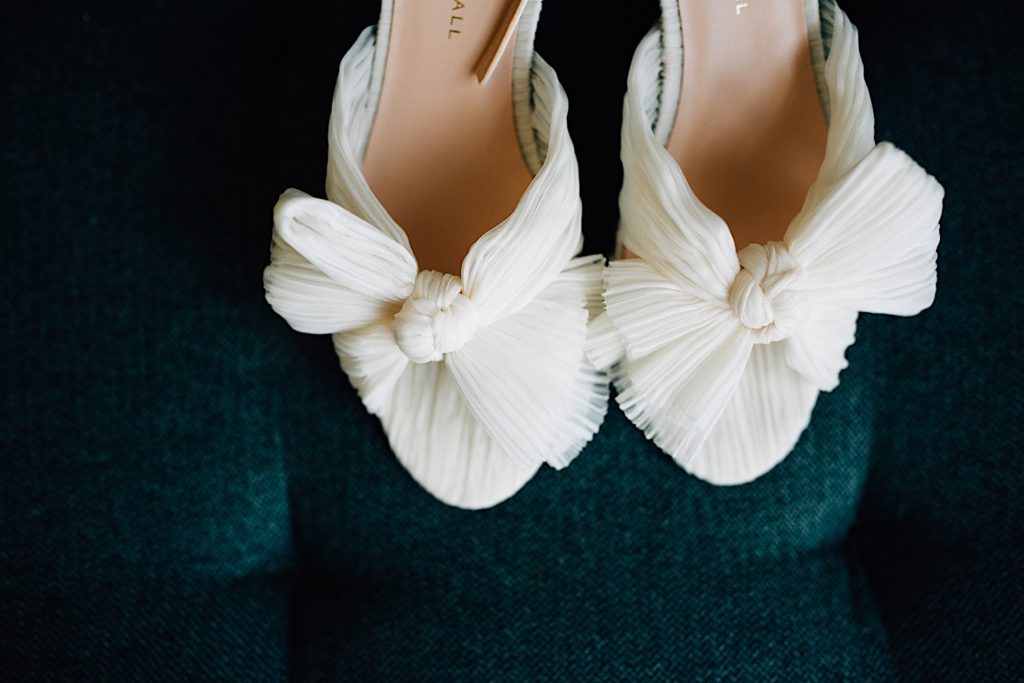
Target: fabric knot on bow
(436,319)
(765,295)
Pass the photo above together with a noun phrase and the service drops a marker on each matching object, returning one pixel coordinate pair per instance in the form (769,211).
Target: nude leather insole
(749,131)
(444,157)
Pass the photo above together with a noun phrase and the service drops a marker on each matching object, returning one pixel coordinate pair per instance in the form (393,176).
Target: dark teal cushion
(193,491)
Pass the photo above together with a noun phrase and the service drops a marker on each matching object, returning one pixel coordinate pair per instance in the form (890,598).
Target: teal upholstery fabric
(191,491)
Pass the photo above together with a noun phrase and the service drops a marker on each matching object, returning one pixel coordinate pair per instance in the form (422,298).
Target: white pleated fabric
(719,356)
(479,377)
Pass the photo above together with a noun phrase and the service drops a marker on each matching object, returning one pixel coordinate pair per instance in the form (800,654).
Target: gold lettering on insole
(453,17)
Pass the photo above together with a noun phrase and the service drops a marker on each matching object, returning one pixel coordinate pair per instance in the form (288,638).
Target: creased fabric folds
(718,355)
(478,377)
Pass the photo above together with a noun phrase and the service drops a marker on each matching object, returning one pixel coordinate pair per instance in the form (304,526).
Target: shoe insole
(749,131)
(444,157)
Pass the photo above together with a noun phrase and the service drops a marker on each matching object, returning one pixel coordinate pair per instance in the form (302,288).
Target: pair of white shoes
(480,377)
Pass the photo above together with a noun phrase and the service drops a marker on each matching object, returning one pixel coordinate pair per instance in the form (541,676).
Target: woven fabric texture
(193,492)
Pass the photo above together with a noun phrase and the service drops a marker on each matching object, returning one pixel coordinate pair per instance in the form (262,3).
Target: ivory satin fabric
(480,377)
(723,353)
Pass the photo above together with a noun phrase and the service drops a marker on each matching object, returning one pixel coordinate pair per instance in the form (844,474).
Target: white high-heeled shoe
(719,354)
(443,262)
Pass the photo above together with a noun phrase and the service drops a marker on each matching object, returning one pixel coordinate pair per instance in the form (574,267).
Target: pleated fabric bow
(478,377)
(721,354)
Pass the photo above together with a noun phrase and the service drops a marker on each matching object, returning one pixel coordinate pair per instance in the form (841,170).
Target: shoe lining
(749,130)
(444,156)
